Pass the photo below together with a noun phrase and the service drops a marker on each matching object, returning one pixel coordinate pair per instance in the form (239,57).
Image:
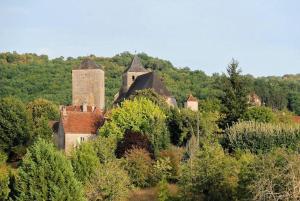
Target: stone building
(136,77)
(80,121)
(78,124)
(88,85)
(191,103)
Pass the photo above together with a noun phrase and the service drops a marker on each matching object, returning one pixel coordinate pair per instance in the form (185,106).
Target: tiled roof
(192,98)
(296,119)
(76,121)
(136,66)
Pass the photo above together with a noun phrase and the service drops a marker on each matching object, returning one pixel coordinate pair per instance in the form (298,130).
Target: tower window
(133,77)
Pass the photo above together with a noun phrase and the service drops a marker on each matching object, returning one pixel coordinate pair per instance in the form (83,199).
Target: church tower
(88,85)
(129,76)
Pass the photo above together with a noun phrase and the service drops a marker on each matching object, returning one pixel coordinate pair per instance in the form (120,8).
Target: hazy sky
(264,35)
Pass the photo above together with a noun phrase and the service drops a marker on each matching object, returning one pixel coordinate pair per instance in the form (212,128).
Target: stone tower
(88,85)
(129,76)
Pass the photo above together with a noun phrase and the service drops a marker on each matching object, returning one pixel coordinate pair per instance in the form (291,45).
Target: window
(133,78)
(81,139)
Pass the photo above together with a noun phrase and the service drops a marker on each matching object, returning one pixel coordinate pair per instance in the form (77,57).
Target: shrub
(110,183)
(258,137)
(162,169)
(85,162)
(139,165)
(133,140)
(3,157)
(273,176)
(209,175)
(4,182)
(259,114)
(174,154)
(163,191)
(43,108)
(105,148)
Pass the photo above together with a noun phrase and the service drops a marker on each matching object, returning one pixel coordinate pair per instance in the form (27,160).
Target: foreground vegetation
(227,150)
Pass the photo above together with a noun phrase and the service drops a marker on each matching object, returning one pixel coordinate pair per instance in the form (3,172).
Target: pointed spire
(87,63)
(136,65)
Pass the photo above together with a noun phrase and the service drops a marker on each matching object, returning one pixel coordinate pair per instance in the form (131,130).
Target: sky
(263,35)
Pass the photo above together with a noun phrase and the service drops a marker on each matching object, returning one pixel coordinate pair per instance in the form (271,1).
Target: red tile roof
(76,121)
(296,119)
(192,98)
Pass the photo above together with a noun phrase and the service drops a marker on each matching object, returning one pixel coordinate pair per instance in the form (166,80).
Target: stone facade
(191,103)
(88,87)
(128,79)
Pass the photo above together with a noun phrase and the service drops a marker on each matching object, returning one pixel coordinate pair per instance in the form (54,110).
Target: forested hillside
(29,76)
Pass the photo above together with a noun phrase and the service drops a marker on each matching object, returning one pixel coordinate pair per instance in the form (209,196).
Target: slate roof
(76,121)
(136,66)
(149,80)
(87,63)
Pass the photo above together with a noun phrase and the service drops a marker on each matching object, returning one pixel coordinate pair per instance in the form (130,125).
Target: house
(136,77)
(191,103)
(80,121)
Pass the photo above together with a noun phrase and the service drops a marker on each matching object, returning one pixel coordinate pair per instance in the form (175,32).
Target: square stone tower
(88,85)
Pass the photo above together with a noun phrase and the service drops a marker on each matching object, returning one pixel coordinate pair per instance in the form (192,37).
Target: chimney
(64,111)
(84,107)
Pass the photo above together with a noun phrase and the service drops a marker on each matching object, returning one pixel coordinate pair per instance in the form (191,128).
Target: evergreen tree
(46,174)
(235,91)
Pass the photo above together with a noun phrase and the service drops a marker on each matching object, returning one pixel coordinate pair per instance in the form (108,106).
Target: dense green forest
(30,76)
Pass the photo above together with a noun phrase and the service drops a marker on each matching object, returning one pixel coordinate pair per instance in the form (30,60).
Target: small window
(133,77)
(81,139)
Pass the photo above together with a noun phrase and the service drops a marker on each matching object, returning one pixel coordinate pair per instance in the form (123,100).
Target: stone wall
(72,140)
(192,105)
(129,78)
(88,86)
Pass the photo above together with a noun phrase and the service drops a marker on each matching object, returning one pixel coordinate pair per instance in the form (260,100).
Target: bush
(85,162)
(133,140)
(139,166)
(105,148)
(4,182)
(273,176)
(259,114)
(174,154)
(3,157)
(162,169)
(209,175)
(43,108)
(163,191)
(258,137)
(110,183)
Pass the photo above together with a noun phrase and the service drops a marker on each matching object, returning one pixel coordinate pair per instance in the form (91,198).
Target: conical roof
(136,66)
(87,63)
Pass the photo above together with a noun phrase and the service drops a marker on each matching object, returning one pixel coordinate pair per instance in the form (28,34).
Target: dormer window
(133,77)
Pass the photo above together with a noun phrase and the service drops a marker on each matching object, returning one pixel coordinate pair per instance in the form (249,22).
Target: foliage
(42,129)
(139,166)
(259,114)
(3,157)
(138,115)
(234,100)
(15,125)
(210,174)
(210,105)
(4,182)
(163,191)
(262,137)
(133,140)
(175,155)
(162,169)
(110,183)
(182,125)
(274,176)
(85,162)
(105,148)
(294,102)
(43,108)
(46,174)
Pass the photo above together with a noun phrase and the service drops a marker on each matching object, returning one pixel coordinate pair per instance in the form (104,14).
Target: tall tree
(15,125)
(234,100)
(46,174)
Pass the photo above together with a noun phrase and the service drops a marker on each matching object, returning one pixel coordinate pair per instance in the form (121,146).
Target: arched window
(133,77)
